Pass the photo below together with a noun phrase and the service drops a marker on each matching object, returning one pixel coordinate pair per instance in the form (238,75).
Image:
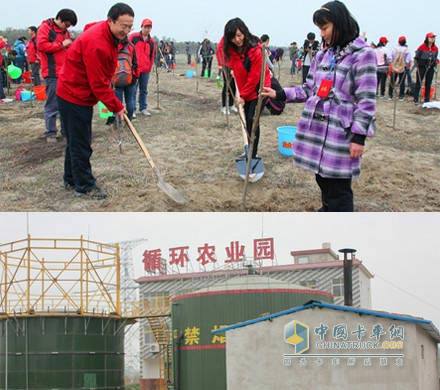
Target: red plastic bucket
(40,92)
(431,94)
(27,78)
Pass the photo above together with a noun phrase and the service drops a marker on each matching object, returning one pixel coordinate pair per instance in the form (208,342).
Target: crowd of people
(342,76)
(395,66)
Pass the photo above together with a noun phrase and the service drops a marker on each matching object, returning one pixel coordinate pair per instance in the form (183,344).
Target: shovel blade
(257,169)
(171,192)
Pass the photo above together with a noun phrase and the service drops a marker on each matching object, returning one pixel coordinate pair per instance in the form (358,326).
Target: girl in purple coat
(340,107)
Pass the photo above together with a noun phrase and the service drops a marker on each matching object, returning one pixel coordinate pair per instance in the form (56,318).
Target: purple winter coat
(328,126)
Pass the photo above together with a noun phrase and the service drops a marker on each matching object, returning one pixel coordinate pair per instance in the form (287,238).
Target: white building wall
(254,359)
(365,290)
(428,368)
(151,368)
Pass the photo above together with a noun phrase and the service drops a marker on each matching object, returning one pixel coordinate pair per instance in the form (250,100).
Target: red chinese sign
(206,254)
(235,252)
(153,261)
(263,249)
(179,256)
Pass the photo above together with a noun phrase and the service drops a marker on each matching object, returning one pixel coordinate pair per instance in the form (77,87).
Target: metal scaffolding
(50,276)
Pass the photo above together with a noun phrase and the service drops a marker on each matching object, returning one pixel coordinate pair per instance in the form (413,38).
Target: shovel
(167,188)
(255,123)
(257,166)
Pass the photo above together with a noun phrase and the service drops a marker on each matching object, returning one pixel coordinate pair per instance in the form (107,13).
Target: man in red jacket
(84,80)
(32,57)
(2,47)
(145,52)
(53,40)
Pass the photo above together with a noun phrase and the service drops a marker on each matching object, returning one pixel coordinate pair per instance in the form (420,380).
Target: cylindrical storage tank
(199,357)
(61,352)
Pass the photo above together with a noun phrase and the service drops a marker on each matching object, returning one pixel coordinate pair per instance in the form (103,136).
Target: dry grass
(195,151)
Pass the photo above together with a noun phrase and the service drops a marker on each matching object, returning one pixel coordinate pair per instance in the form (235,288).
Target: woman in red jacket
(2,68)
(426,61)
(243,55)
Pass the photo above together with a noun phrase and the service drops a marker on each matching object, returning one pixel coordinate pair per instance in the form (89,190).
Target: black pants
(249,111)
(381,82)
(400,78)
(2,92)
(337,195)
(207,65)
(35,67)
(78,128)
(427,74)
(226,92)
(305,70)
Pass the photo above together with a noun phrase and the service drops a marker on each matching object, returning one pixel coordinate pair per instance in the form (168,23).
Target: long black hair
(231,30)
(345,27)
(427,42)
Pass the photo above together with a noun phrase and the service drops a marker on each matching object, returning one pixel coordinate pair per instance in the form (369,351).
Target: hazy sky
(401,250)
(284,21)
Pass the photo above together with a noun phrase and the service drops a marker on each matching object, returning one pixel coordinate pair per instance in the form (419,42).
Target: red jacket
(50,48)
(248,81)
(31,51)
(90,65)
(145,51)
(220,53)
(427,56)
(2,46)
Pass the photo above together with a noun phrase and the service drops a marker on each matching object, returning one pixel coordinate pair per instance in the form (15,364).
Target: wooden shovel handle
(242,116)
(140,142)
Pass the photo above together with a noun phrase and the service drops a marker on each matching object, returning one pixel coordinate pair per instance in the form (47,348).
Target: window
(309,283)
(303,260)
(149,337)
(338,287)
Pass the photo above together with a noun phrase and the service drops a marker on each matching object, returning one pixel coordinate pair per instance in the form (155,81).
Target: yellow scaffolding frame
(52,276)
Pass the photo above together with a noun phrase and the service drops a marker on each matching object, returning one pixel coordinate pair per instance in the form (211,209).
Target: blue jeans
(408,76)
(129,93)
(51,108)
(142,85)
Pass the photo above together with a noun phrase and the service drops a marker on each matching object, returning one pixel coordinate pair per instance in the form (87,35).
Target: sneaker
(51,139)
(145,113)
(225,111)
(234,109)
(401,99)
(95,193)
(134,115)
(68,186)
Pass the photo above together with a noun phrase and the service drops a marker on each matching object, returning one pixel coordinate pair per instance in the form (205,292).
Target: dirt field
(195,151)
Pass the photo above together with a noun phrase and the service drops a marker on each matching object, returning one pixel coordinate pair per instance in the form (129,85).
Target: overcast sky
(284,21)
(401,250)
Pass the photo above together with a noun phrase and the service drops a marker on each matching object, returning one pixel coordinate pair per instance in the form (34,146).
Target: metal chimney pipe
(348,275)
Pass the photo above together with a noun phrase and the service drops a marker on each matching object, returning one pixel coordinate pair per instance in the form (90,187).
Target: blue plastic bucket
(26,96)
(190,74)
(286,140)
